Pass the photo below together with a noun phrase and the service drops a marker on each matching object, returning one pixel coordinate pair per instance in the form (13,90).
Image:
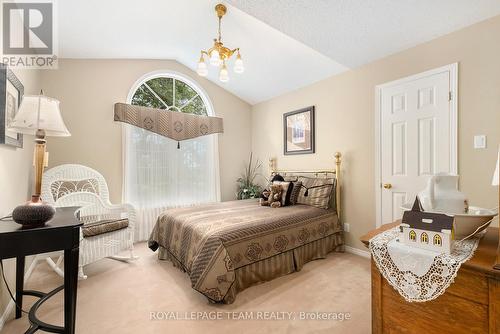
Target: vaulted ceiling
(356,32)
(285,44)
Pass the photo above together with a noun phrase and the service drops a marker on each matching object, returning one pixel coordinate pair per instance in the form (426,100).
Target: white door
(417,136)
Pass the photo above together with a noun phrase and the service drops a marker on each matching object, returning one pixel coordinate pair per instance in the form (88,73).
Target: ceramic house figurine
(426,230)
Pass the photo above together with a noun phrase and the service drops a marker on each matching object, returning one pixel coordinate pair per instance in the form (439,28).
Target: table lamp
(40,116)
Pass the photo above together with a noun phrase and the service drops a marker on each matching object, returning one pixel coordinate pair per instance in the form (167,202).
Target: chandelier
(218,54)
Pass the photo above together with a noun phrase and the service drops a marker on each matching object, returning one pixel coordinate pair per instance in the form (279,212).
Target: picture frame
(299,131)
(11,95)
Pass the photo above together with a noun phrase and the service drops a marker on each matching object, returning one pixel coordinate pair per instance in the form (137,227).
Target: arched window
(424,238)
(158,175)
(413,235)
(437,240)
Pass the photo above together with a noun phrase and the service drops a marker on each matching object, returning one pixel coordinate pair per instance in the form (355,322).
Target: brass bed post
(272,166)
(338,160)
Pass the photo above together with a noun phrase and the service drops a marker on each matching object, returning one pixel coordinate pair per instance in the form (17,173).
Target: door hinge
(450,96)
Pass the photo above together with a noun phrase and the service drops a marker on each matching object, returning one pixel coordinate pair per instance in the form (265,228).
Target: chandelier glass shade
(224,74)
(218,54)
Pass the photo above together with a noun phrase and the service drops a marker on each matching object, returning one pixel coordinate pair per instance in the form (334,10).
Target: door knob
(387,185)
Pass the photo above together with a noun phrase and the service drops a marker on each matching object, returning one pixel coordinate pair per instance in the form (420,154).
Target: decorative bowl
(31,215)
(467,224)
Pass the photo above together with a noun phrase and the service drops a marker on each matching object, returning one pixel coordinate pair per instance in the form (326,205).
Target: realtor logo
(28,34)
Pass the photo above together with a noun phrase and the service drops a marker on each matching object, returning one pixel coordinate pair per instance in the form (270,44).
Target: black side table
(60,233)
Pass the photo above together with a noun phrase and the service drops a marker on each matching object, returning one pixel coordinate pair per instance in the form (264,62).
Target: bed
(229,246)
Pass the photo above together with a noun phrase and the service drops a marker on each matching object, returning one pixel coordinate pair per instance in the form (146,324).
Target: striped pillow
(294,196)
(316,191)
(291,178)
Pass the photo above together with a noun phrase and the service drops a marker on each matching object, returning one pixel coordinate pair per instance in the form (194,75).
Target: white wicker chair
(77,185)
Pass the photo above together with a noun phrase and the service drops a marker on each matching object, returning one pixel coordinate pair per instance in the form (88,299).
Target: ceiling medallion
(218,54)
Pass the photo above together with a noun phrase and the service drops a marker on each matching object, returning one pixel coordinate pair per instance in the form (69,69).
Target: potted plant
(246,186)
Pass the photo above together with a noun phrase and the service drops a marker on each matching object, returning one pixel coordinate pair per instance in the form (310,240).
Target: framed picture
(298,130)
(11,94)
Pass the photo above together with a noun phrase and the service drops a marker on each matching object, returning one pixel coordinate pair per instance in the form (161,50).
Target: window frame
(210,112)
(424,237)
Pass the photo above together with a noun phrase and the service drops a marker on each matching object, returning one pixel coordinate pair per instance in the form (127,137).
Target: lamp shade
(495,180)
(39,112)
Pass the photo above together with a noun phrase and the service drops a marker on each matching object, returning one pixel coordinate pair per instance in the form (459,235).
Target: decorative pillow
(291,178)
(277,177)
(316,191)
(287,187)
(294,194)
(64,187)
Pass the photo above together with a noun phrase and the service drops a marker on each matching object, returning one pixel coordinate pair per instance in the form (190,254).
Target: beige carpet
(119,298)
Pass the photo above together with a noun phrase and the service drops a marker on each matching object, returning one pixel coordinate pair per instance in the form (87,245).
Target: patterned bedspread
(211,241)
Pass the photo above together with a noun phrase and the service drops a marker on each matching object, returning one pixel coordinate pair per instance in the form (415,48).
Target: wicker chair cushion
(63,187)
(103,226)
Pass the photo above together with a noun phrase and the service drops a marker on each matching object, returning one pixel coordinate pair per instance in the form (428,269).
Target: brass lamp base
(34,213)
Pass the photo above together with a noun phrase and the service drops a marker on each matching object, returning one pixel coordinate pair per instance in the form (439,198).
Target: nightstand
(470,305)
(62,232)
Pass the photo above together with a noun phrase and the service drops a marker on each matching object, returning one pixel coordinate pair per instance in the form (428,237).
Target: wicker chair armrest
(125,208)
(93,203)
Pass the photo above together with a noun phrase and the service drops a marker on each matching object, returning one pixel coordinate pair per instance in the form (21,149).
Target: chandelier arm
(209,51)
(235,50)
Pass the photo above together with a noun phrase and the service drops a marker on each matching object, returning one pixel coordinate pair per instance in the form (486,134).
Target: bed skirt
(276,266)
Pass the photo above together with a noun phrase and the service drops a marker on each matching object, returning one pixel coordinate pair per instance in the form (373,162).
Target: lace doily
(418,275)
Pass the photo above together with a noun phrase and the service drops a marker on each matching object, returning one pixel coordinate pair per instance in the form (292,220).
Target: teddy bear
(265,193)
(274,197)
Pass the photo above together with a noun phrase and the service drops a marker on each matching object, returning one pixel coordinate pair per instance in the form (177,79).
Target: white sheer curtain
(159,176)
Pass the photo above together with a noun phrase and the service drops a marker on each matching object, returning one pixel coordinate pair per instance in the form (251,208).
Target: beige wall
(344,122)
(15,176)
(88,90)
(345,118)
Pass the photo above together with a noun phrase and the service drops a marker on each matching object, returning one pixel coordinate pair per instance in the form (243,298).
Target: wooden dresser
(470,305)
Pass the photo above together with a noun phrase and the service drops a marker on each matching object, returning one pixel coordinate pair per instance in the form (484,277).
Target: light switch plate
(347,227)
(480,141)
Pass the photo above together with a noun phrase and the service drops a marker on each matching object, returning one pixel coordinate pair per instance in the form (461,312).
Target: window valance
(171,124)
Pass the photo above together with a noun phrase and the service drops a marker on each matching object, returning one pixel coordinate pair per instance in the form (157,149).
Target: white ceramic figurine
(442,195)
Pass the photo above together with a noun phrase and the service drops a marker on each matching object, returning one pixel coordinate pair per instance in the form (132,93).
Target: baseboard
(357,251)
(9,309)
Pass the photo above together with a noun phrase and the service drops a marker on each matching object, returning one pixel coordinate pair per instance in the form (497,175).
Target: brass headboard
(325,172)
